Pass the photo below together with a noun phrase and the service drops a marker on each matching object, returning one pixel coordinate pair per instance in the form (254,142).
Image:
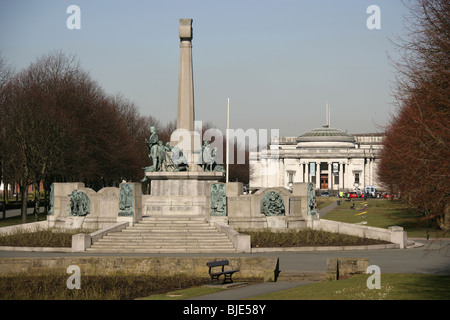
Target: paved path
(250,291)
(322,212)
(16,212)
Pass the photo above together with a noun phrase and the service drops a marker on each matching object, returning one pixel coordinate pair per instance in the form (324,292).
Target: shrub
(40,238)
(116,287)
(305,237)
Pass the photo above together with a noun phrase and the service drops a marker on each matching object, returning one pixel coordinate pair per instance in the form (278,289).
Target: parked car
(371,191)
(325,194)
(388,195)
(352,195)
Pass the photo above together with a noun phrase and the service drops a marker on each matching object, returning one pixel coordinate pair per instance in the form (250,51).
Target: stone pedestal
(180,193)
(275,223)
(100,211)
(60,207)
(130,203)
(234,189)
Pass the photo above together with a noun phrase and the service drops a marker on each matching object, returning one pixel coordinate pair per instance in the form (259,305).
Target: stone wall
(250,267)
(343,268)
(244,211)
(392,234)
(103,211)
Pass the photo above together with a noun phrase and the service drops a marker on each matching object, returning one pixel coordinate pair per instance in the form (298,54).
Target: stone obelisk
(185,115)
(183,192)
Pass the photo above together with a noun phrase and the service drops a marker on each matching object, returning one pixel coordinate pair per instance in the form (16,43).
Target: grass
(51,286)
(11,221)
(383,214)
(393,287)
(305,237)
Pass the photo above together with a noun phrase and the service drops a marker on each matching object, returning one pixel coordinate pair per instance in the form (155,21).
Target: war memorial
(192,208)
(188,186)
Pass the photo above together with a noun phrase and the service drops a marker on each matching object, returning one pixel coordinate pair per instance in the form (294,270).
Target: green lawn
(384,213)
(393,287)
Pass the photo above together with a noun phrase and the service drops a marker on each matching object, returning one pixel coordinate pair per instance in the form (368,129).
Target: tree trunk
(36,200)
(5,199)
(46,200)
(24,191)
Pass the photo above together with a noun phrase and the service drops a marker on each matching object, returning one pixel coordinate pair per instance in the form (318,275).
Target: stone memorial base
(130,204)
(183,193)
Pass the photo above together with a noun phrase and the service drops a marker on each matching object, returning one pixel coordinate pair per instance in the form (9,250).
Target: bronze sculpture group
(161,159)
(167,157)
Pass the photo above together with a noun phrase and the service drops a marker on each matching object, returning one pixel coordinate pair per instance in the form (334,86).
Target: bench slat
(224,272)
(218,263)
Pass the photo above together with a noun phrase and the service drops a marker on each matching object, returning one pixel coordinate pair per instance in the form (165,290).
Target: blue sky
(278,61)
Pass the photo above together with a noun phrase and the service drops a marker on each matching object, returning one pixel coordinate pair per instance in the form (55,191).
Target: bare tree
(414,160)
(61,126)
(6,73)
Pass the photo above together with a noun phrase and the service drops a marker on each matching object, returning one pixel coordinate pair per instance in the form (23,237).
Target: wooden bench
(216,275)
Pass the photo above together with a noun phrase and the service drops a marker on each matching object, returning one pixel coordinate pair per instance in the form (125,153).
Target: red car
(352,195)
(388,195)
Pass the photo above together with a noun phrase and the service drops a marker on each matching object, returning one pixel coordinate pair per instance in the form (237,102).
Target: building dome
(325,137)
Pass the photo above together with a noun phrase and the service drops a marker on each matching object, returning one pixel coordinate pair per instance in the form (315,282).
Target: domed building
(325,137)
(330,158)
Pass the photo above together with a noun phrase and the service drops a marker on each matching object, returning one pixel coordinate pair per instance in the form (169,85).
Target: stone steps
(155,250)
(166,235)
(163,246)
(156,227)
(179,239)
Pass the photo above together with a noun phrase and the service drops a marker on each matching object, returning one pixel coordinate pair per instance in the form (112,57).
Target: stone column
(281,174)
(318,175)
(363,181)
(330,185)
(302,175)
(341,176)
(307,172)
(186,113)
(347,182)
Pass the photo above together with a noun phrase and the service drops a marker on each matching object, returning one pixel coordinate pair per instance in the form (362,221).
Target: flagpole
(228,142)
